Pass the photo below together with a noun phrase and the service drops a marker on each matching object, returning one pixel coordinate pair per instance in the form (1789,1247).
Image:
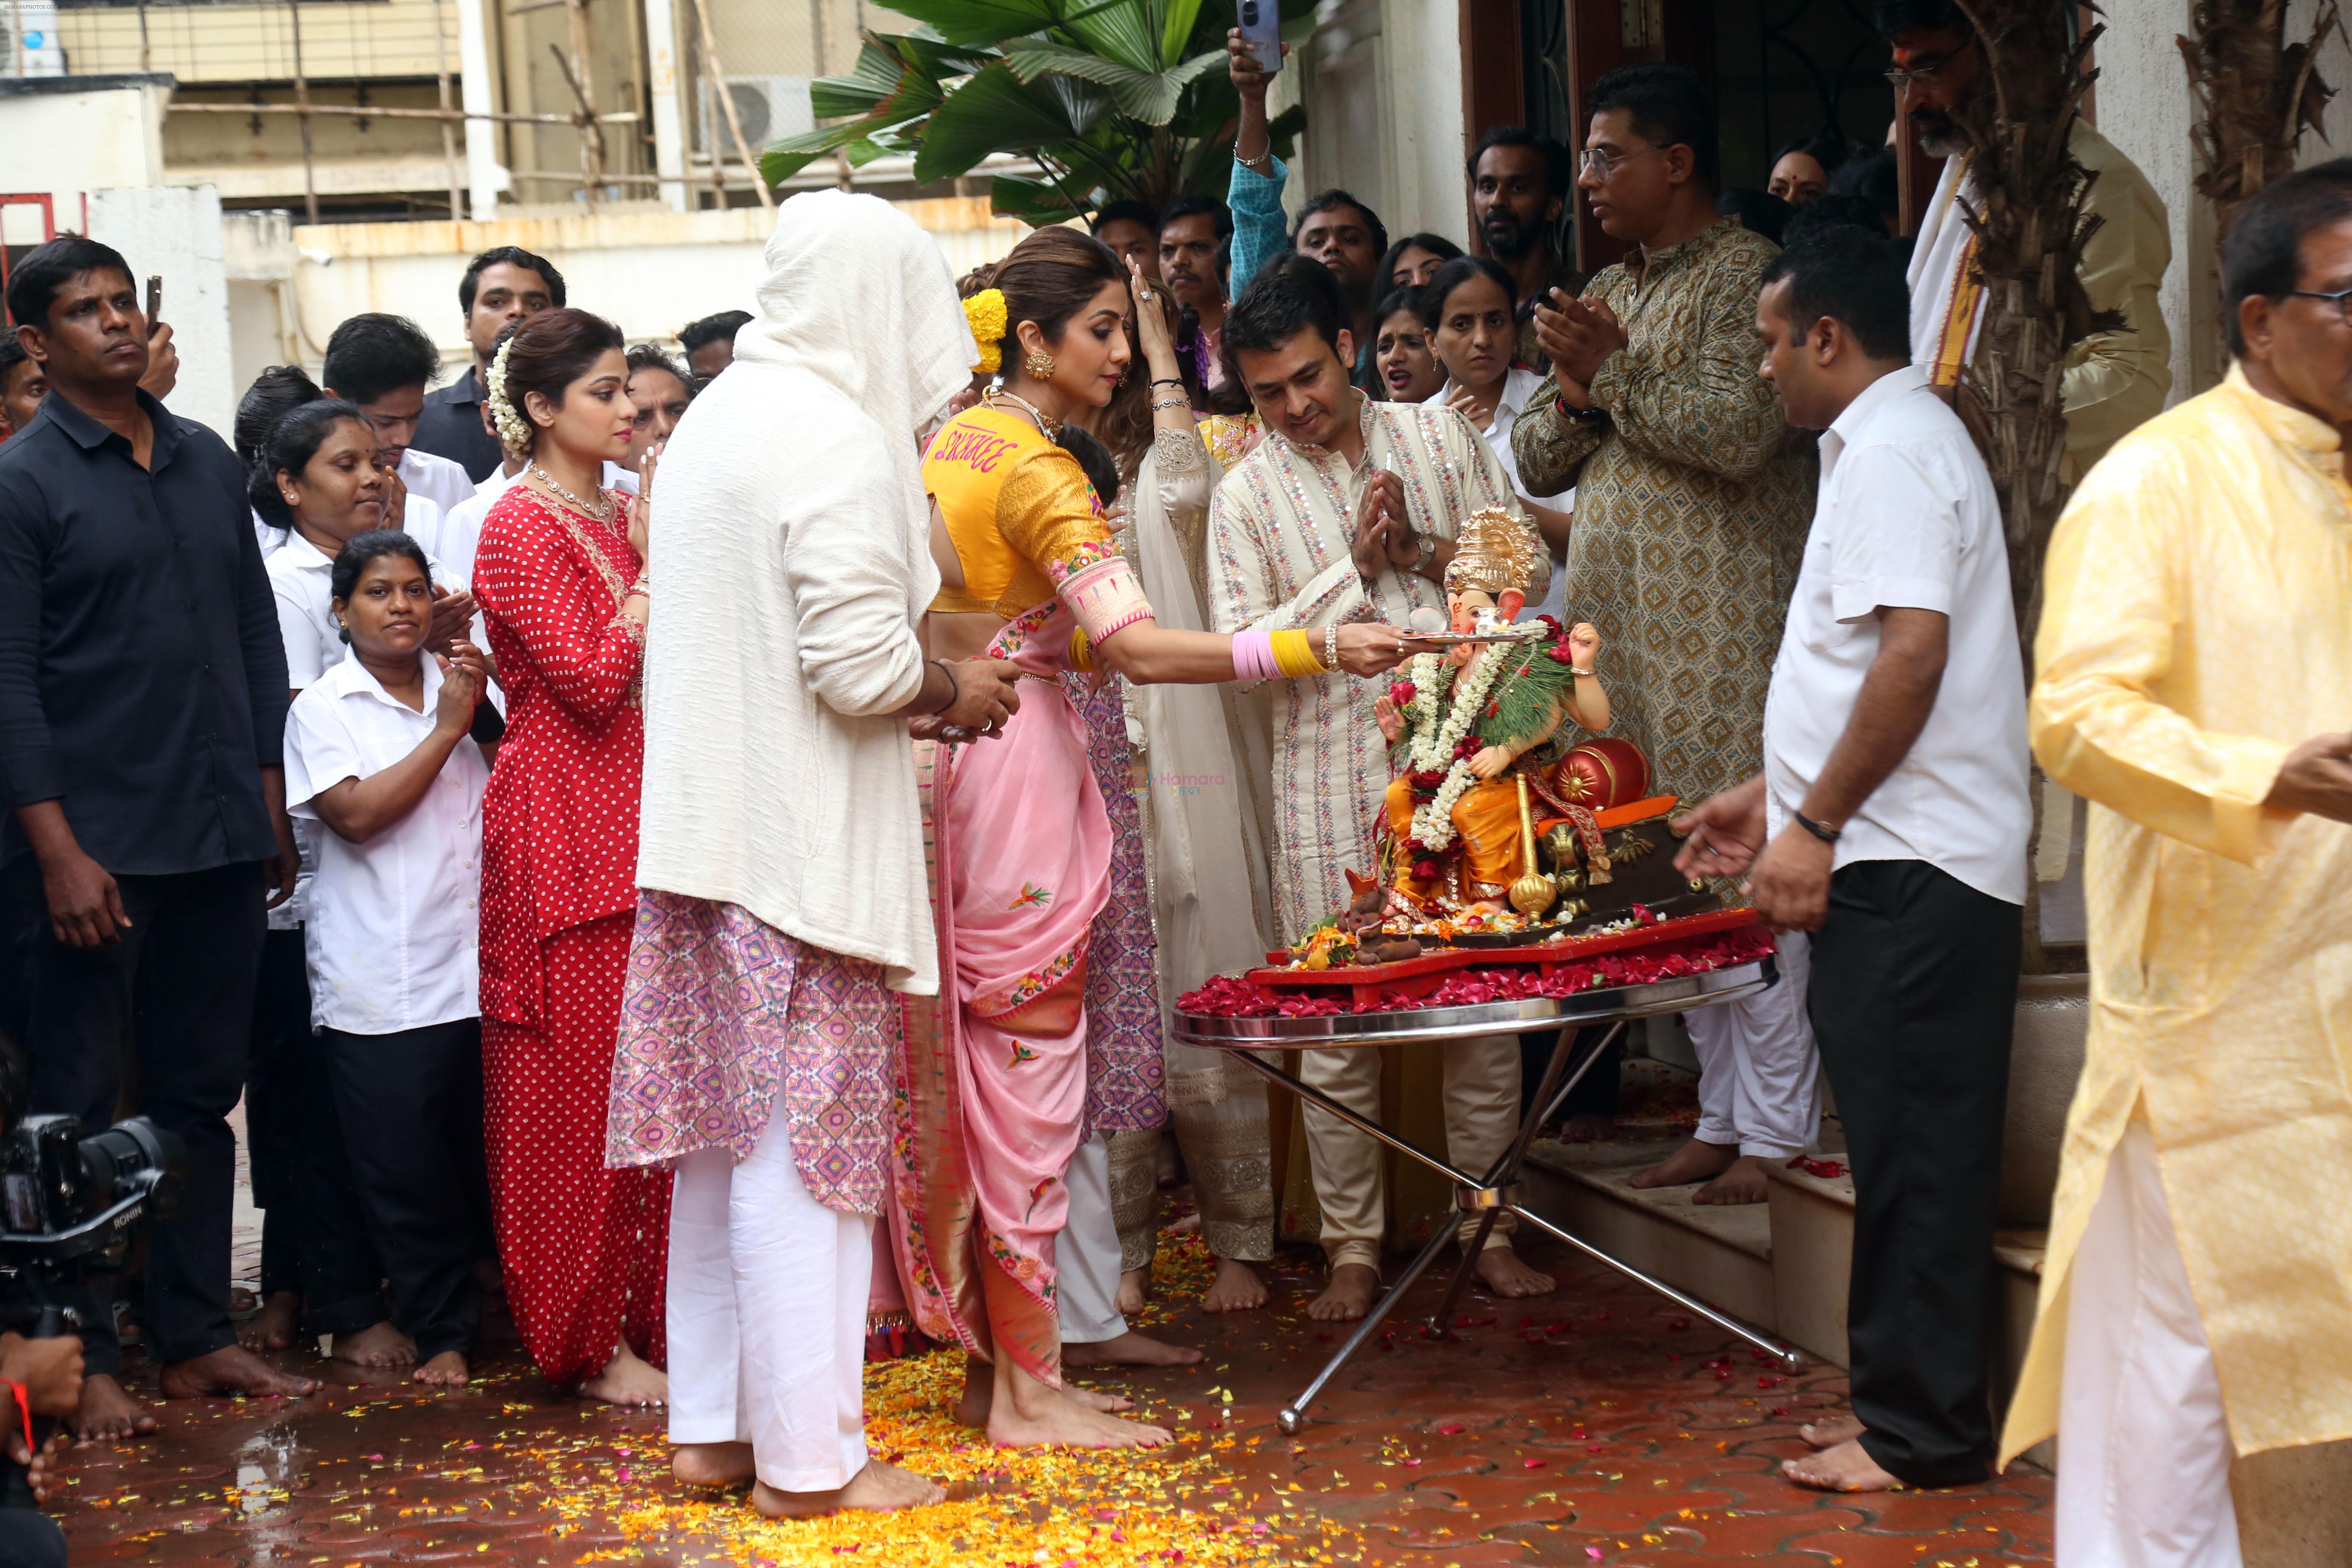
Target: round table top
(1606,1005)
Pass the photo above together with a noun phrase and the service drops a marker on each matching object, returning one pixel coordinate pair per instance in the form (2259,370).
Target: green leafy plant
(1110,98)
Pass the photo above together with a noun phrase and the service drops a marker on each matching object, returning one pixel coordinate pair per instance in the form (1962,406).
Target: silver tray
(1679,994)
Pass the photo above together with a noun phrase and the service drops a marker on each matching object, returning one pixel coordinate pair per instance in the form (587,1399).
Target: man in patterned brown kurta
(1692,497)
(1692,504)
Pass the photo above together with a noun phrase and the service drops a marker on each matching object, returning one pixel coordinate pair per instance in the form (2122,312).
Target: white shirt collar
(1865,406)
(353,679)
(301,553)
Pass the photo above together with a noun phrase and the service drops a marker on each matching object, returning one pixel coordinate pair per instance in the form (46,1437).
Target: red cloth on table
(585,1249)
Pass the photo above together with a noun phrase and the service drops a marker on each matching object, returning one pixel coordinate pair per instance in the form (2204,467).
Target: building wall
(93,136)
(2144,107)
(651,272)
(1381,81)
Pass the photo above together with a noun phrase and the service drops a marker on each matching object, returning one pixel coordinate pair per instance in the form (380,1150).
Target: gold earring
(1039,364)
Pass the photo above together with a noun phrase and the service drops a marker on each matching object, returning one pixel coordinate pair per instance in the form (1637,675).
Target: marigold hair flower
(985,313)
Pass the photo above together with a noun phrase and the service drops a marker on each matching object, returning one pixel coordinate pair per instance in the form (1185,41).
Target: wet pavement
(1598,1425)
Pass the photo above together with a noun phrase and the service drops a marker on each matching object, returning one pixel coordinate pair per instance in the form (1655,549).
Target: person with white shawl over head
(782,890)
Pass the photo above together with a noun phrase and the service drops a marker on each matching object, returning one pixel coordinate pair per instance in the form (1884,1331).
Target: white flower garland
(515,433)
(1434,742)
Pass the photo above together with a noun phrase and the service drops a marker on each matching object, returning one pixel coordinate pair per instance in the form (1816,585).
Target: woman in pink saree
(996,1073)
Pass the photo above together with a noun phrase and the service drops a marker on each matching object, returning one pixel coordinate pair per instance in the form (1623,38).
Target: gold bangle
(1082,653)
(1294,654)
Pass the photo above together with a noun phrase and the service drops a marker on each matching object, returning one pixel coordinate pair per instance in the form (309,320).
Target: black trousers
(29,1539)
(412,1108)
(169,1007)
(314,1234)
(1914,998)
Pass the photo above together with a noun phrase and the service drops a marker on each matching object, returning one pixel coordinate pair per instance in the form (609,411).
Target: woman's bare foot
(1236,1289)
(378,1344)
(1352,1290)
(231,1370)
(1130,1348)
(626,1380)
(1587,1127)
(876,1488)
(488,1277)
(107,1412)
(711,1463)
(1848,1467)
(1694,1162)
(273,1327)
(1134,1289)
(1505,1273)
(447,1369)
(1829,1433)
(1742,1182)
(1026,1414)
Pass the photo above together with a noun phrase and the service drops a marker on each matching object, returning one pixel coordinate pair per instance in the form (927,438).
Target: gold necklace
(1052,429)
(601,514)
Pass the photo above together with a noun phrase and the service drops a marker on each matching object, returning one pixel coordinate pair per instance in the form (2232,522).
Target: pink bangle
(1254,654)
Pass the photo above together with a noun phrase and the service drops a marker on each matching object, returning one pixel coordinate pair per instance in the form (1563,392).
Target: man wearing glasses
(2114,379)
(1692,505)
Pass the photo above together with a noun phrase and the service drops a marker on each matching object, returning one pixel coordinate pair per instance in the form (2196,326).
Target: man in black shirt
(143,709)
(500,287)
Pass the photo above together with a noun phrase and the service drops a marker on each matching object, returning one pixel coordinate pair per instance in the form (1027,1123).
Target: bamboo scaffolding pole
(625,116)
(302,106)
(448,132)
(576,73)
(726,102)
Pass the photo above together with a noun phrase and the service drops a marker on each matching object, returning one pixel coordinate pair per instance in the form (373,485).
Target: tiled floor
(1596,1425)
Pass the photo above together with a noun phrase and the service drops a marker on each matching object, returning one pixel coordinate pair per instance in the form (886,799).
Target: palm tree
(2256,94)
(2031,225)
(1110,98)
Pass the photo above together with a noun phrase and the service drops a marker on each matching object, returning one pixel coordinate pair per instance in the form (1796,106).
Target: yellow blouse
(1018,510)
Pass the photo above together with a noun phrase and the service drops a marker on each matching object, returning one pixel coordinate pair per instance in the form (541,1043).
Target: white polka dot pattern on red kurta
(585,1249)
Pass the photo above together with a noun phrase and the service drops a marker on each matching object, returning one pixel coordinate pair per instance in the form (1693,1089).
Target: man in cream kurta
(2194,678)
(2114,379)
(1282,529)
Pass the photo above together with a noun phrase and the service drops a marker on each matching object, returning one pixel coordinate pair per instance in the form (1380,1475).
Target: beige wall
(652,272)
(87,141)
(249,43)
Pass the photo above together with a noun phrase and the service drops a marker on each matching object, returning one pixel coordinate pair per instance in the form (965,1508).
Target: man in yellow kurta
(2195,660)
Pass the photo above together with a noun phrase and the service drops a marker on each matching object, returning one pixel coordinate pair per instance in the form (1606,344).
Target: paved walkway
(1594,1427)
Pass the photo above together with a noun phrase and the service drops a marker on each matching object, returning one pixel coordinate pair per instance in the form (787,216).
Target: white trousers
(2143,1447)
(1759,1074)
(1086,1253)
(767,1316)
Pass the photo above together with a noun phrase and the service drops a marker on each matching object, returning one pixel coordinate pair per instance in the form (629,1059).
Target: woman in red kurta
(559,574)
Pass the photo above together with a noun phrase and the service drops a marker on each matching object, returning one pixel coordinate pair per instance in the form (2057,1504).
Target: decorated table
(1646,965)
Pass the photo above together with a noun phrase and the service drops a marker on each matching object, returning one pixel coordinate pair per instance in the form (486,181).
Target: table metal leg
(1293,1416)
(1496,1189)
(1496,1194)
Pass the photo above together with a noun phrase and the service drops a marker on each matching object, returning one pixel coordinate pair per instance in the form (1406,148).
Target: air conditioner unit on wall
(770,108)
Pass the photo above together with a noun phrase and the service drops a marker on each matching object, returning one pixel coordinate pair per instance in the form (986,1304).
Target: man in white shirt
(383,364)
(1890,821)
